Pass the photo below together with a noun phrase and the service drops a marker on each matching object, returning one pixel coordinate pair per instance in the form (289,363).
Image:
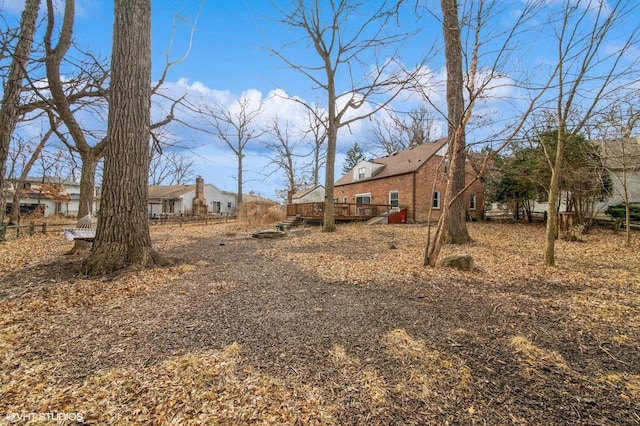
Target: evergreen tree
(354,156)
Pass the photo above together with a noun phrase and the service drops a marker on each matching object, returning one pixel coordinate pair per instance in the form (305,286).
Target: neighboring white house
(53,195)
(186,200)
(310,195)
(57,196)
(622,159)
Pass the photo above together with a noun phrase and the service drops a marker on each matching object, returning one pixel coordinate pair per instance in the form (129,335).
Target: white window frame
(435,202)
(397,194)
(472,202)
(362,172)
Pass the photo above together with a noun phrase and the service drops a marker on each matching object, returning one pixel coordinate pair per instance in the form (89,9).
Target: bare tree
(317,125)
(400,131)
(86,91)
(234,126)
(171,168)
(9,111)
(122,236)
(472,75)
(388,135)
(90,87)
(586,73)
(284,146)
(347,36)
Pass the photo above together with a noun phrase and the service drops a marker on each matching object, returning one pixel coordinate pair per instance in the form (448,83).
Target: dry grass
(606,273)
(602,295)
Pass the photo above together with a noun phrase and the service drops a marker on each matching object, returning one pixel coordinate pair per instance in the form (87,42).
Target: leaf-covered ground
(324,328)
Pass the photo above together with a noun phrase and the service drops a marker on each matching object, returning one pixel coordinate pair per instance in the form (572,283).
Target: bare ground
(341,328)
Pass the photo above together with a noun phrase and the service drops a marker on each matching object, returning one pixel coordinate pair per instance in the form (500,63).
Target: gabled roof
(304,192)
(256,199)
(170,191)
(400,163)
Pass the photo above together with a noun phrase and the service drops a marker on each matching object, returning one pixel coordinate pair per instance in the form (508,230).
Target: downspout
(414,198)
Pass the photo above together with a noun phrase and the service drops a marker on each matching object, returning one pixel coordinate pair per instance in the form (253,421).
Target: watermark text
(43,417)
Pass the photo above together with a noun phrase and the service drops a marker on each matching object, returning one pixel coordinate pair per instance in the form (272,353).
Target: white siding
(315,196)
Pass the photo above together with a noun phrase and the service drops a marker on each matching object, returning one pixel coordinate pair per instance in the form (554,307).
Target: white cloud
(217,163)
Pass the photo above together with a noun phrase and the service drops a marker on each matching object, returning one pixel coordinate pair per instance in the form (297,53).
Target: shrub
(618,212)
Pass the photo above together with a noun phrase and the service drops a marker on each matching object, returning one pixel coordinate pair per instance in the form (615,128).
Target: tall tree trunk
(456,230)
(239,209)
(433,249)
(87,190)
(12,89)
(554,193)
(627,217)
(329,224)
(87,184)
(122,236)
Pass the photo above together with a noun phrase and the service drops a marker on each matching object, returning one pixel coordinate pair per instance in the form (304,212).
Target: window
(394,198)
(363,199)
(344,200)
(472,202)
(436,200)
(229,205)
(361,173)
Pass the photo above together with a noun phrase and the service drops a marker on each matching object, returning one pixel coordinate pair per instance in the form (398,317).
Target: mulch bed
(318,328)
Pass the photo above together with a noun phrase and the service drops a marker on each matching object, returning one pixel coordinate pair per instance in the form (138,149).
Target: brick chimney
(199,204)
(199,188)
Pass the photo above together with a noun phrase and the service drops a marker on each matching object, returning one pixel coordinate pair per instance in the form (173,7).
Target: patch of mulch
(329,328)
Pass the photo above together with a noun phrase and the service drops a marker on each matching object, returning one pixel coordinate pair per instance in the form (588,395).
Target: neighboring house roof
(51,180)
(400,163)
(256,199)
(621,153)
(170,191)
(304,192)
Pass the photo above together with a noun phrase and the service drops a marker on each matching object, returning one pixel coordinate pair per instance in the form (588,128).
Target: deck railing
(346,211)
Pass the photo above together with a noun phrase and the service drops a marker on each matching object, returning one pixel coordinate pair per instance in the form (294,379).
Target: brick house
(405,180)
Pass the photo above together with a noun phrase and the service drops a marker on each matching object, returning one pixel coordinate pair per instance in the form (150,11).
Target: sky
(230,59)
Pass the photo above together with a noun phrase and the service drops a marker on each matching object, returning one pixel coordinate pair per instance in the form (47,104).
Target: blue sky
(230,57)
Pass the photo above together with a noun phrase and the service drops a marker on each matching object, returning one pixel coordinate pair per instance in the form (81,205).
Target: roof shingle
(406,161)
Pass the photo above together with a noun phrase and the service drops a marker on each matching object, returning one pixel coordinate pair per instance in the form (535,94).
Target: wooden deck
(342,211)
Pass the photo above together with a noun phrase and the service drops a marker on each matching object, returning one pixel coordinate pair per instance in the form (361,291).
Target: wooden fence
(13,232)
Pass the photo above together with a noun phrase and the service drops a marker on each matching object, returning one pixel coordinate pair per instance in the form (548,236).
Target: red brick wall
(417,202)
